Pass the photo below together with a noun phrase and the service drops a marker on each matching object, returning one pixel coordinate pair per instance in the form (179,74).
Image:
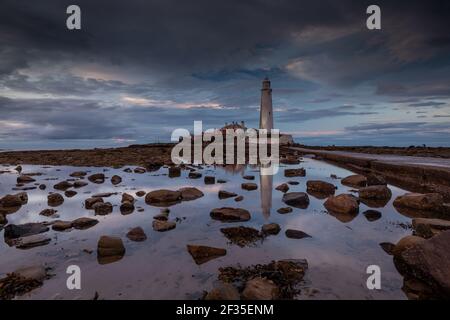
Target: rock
(139,170)
(37,273)
(163,198)
(203,254)
(242,236)
(271,228)
(127,170)
(343,204)
(355,181)
(420,201)
(55,199)
(140,193)
(62,225)
(294,173)
(230,214)
(84,223)
(189,193)
(32,241)
(126,197)
(296,234)
(16,200)
(79,184)
(97,178)
(378,192)
(137,234)
(115,180)
(296,199)
(70,193)
(376,180)
(18,169)
(102,208)
(406,243)
(293,183)
(48,212)
(429,261)
(194,175)
(90,202)
(63,185)
(13,231)
(109,249)
(161,225)
(104,195)
(372,215)
(225,194)
(210,180)
(248,177)
(223,291)
(290,160)
(427,228)
(3,220)
(42,187)
(78,174)
(163,215)
(221,181)
(126,207)
(320,187)
(388,247)
(260,289)
(25,179)
(174,172)
(239,198)
(283,188)
(249,186)
(285,210)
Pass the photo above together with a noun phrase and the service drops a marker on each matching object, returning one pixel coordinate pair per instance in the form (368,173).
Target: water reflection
(266,185)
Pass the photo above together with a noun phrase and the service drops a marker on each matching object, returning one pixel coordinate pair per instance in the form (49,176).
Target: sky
(138,69)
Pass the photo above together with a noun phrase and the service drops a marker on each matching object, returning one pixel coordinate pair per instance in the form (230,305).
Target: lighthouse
(266,113)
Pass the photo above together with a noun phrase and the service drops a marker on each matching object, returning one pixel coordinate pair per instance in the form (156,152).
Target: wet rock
(241,236)
(249,186)
(90,202)
(210,180)
(376,180)
(42,187)
(248,177)
(388,247)
(427,228)
(109,249)
(223,291)
(194,175)
(189,193)
(293,183)
(320,187)
(406,243)
(21,281)
(294,172)
(290,160)
(203,254)
(225,194)
(271,228)
(163,198)
(343,204)
(62,225)
(283,188)
(355,181)
(221,181)
(140,193)
(127,170)
(18,169)
(174,172)
(137,234)
(78,174)
(285,210)
(84,223)
(97,178)
(55,199)
(16,200)
(429,262)
(115,179)
(260,289)
(33,241)
(378,192)
(48,212)
(139,170)
(372,215)
(3,220)
(420,201)
(296,234)
(239,198)
(13,231)
(230,214)
(102,208)
(161,225)
(63,185)
(126,197)
(126,207)
(296,199)
(70,193)
(79,184)
(25,179)
(104,194)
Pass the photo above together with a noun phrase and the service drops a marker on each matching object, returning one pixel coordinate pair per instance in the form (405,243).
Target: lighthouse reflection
(266,185)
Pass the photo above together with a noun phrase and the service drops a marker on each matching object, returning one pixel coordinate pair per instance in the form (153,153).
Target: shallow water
(161,268)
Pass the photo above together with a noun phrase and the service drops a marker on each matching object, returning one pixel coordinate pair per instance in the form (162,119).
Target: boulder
(210,180)
(194,175)
(427,228)
(70,193)
(406,243)
(343,203)
(174,172)
(203,254)
(55,199)
(97,178)
(271,228)
(225,194)
(372,215)
(223,291)
(260,289)
(285,210)
(321,187)
(102,208)
(163,198)
(283,188)
(62,225)
(18,169)
(42,187)
(296,199)
(227,214)
(25,179)
(63,185)
(109,249)
(294,172)
(79,184)
(420,201)
(115,180)
(126,197)
(13,231)
(90,202)
(249,186)
(48,212)
(296,234)
(355,181)
(16,200)
(378,192)
(84,223)
(161,225)
(137,234)
(32,241)
(126,207)
(189,193)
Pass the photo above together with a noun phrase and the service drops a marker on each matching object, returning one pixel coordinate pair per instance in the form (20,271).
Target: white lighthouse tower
(266,112)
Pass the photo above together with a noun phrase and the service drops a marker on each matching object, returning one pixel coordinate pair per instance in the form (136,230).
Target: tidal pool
(160,267)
